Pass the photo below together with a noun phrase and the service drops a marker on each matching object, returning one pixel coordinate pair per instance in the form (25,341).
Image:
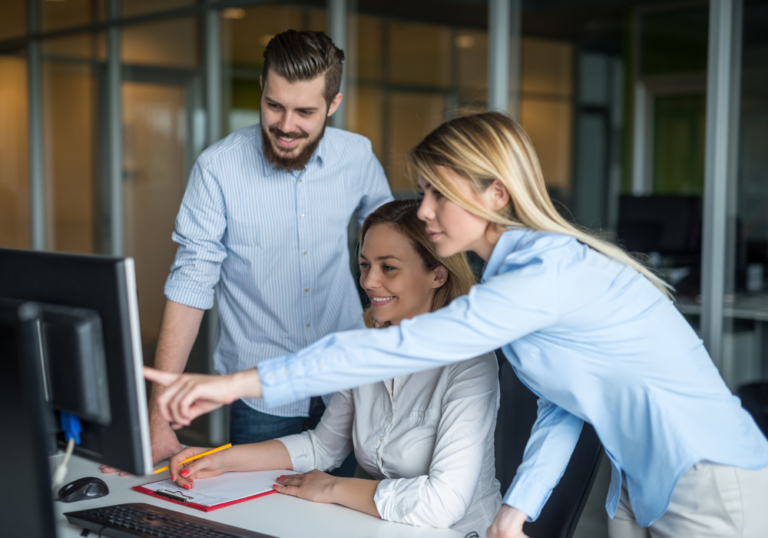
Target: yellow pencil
(193,458)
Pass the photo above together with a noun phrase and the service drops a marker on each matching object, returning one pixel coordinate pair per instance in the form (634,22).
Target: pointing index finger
(157,376)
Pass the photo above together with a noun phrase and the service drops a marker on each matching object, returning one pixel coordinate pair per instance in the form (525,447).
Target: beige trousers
(710,501)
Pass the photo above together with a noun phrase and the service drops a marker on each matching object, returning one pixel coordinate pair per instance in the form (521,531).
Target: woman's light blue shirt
(593,338)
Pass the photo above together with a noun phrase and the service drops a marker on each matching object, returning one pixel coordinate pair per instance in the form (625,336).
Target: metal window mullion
(114,133)
(499,22)
(213,61)
(724,31)
(217,426)
(337,31)
(36,163)
(516,57)
(641,162)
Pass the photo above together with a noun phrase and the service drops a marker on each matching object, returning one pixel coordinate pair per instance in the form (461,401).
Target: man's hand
(508,523)
(106,469)
(315,486)
(187,396)
(164,442)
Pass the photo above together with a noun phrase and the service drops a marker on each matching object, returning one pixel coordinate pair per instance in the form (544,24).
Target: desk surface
(746,306)
(279,515)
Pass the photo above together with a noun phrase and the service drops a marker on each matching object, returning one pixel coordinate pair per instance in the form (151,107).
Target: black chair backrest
(517,413)
(754,398)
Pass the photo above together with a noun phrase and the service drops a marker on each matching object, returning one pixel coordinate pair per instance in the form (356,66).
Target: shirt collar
(506,244)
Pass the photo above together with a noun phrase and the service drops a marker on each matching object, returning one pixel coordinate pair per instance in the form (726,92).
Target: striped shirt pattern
(273,245)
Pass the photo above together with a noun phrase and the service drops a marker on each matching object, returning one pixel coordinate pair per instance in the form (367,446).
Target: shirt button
(381,438)
(389,419)
(300,180)
(421,414)
(271,376)
(302,215)
(399,388)
(306,290)
(321,364)
(308,325)
(304,253)
(286,372)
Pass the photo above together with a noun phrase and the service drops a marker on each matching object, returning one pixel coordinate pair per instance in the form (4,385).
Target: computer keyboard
(146,520)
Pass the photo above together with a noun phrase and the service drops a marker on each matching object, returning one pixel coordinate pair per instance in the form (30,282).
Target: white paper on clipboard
(222,489)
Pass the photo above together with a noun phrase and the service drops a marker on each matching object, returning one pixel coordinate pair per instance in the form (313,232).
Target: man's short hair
(305,56)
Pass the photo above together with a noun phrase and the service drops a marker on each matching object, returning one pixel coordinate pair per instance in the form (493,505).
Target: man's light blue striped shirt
(273,244)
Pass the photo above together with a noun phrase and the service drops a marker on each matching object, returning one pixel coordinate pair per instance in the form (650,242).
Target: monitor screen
(665,224)
(107,287)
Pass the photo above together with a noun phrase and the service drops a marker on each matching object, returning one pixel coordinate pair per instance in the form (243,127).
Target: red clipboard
(196,506)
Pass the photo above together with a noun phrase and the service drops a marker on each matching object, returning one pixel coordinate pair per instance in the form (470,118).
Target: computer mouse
(82,489)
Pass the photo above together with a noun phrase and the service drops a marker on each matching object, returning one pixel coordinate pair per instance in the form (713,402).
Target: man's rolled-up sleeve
(200,227)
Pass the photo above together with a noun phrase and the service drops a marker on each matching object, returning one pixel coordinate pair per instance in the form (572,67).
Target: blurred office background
(650,119)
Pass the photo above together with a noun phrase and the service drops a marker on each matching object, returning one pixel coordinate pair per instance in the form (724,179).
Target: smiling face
(293,116)
(452,228)
(393,275)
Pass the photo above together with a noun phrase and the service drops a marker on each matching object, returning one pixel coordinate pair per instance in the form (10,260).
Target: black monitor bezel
(108,286)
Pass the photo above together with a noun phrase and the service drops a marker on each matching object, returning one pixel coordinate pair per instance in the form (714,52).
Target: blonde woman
(585,326)
(426,438)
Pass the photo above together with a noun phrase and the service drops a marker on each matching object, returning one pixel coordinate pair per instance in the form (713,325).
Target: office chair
(517,413)
(754,398)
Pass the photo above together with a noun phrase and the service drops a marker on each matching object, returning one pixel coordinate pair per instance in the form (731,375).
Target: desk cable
(72,428)
(61,471)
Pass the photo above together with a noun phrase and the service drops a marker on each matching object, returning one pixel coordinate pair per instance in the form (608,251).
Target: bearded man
(263,226)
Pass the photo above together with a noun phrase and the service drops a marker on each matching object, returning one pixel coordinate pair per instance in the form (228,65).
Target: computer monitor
(667,224)
(25,498)
(107,287)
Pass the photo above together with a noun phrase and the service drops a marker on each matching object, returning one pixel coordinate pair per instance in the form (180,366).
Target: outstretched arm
(187,396)
(495,313)
(251,457)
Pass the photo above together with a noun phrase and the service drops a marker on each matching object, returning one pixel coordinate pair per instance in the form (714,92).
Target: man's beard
(280,161)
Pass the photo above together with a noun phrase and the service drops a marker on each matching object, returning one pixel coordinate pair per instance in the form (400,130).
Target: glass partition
(131,8)
(745,338)
(546,108)
(55,15)
(172,42)
(13,22)
(70,101)
(14,153)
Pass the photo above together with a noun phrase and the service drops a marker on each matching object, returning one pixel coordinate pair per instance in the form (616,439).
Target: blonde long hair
(401,216)
(488,146)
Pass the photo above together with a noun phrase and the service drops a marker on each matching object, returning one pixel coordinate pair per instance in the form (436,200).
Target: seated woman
(427,438)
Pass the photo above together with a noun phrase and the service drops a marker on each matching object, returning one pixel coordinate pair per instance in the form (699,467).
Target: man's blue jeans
(246,425)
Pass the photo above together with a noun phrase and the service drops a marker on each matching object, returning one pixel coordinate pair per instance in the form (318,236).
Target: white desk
(279,515)
(745,354)
(753,306)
